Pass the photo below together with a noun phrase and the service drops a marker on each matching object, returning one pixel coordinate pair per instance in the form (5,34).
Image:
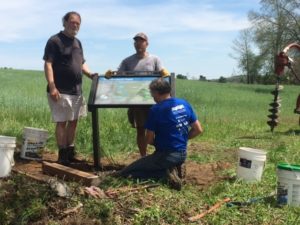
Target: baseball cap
(141,35)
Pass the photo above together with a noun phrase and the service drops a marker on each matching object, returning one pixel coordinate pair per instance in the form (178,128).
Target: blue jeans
(154,166)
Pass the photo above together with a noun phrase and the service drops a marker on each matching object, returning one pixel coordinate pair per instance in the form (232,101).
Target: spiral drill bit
(275,105)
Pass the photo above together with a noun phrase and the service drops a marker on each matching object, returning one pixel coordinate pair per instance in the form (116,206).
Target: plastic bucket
(7,148)
(7,140)
(251,164)
(288,184)
(34,141)
(35,133)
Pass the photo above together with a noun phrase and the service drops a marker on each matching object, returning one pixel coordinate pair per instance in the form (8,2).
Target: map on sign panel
(124,91)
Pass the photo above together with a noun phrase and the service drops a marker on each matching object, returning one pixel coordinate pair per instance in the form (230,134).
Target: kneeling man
(171,122)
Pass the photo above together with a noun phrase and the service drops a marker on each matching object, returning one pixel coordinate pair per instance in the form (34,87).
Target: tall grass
(23,102)
(233,115)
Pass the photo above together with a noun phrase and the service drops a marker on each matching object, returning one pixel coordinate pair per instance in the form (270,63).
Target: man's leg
(153,166)
(71,133)
(176,174)
(60,133)
(61,139)
(141,140)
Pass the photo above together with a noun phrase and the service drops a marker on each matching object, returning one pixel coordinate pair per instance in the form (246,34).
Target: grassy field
(233,115)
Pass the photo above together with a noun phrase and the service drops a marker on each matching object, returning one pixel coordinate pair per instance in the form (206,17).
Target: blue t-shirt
(170,121)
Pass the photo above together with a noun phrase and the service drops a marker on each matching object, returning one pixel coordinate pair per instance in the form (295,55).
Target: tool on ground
(242,204)
(214,207)
(249,201)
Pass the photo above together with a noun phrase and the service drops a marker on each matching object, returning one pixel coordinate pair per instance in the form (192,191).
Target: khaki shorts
(137,116)
(67,108)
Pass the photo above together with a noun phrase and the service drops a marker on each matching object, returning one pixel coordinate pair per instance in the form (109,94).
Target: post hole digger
(288,58)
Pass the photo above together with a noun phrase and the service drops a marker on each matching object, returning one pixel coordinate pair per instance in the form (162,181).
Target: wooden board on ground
(70,174)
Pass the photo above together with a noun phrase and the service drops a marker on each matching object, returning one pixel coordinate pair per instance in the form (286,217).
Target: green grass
(233,115)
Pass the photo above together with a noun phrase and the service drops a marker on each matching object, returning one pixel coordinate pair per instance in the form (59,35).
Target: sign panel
(122,91)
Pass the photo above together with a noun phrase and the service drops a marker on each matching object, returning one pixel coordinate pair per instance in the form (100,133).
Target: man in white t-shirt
(140,63)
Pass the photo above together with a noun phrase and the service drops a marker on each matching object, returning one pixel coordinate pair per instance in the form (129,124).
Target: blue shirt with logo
(170,120)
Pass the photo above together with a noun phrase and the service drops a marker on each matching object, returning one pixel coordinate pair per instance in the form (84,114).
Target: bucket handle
(12,162)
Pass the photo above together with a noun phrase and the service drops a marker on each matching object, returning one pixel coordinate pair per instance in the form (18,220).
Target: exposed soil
(198,174)
(205,174)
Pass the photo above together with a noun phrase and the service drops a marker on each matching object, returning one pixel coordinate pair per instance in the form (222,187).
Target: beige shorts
(67,108)
(137,116)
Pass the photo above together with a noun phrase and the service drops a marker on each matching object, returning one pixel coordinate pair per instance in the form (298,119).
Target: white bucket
(288,184)
(34,141)
(250,164)
(7,148)
(7,140)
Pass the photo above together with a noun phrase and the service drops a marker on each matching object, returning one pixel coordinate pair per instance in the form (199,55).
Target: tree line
(275,25)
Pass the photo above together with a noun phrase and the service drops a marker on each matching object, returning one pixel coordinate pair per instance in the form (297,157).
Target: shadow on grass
(253,137)
(263,90)
(290,132)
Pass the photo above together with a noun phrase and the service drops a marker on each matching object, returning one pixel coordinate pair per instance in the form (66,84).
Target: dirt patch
(205,174)
(198,174)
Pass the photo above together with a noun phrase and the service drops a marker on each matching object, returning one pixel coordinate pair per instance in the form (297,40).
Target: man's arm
(54,93)
(87,72)
(122,67)
(149,137)
(195,130)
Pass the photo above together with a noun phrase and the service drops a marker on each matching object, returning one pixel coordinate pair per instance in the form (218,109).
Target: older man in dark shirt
(64,65)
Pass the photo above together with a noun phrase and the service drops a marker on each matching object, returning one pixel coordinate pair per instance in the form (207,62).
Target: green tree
(275,25)
(180,76)
(202,78)
(222,80)
(248,62)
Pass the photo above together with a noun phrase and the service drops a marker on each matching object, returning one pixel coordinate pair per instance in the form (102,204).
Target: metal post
(173,86)
(96,139)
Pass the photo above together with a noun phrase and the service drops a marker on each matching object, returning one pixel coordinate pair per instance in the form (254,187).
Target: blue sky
(191,37)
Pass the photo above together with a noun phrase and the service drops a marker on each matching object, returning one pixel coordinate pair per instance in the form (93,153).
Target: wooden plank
(70,174)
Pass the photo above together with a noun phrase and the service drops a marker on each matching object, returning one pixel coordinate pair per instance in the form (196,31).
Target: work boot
(63,157)
(173,179)
(181,171)
(71,154)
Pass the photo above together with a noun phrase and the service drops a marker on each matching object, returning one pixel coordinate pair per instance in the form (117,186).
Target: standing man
(64,65)
(140,63)
(171,122)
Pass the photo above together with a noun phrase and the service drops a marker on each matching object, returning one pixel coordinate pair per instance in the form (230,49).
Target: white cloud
(32,19)
(180,31)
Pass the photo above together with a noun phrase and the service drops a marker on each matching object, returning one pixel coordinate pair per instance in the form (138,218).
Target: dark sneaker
(173,179)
